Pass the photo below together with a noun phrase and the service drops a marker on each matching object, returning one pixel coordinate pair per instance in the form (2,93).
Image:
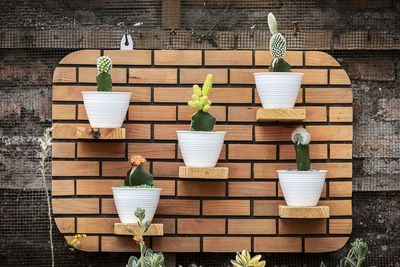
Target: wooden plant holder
(203,173)
(100,133)
(316,212)
(154,229)
(283,115)
(217,215)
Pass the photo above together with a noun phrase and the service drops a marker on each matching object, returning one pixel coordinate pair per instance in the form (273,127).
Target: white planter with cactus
(278,88)
(302,187)
(104,108)
(138,192)
(201,146)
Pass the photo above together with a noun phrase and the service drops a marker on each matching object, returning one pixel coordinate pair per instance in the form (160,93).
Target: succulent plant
(103,78)
(202,120)
(147,257)
(301,138)
(245,260)
(356,255)
(277,46)
(137,175)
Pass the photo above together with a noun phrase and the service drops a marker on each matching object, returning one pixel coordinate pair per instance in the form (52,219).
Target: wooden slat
(302,226)
(226,244)
(153,150)
(324,244)
(201,189)
(75,205)
(252,189)
(317,151)
(89,243)
(154,229)
(75,168)
(63,150)
(317,58)
(251,226)
(177,57)
(176,244)
(228,58)
(329,95)
(267,207)
(203,173)
(201,226)
(341,151)
(96,225)
(178,207)
(226,207)
(185,113)
(313,76)
(340,189)
(129,57)
(88,57)
(153,75)
(63,112)
(65,225)
(252,151)
(277,244)
(64,75)
(340,226)
(62,188)
(341,114)
(339,76)
(331,132)
(100,150)
(96,187)
(304,212)
(337,207)
(118,244)
(285,115)
(100,133)
(193,76)
(152,113)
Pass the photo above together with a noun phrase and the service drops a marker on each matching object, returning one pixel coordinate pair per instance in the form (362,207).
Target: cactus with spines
(301,139)
(103,78)
(202,120)
(277,46)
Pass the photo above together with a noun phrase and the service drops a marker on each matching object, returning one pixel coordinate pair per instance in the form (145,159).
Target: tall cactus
(202,120)
(301,139)
(277,46)
(103,78)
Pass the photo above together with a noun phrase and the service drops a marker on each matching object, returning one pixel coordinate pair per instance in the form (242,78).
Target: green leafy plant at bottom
(148,258)
(356,254)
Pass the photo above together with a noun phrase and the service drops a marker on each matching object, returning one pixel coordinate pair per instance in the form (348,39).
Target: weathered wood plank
(304,212)
(203,173)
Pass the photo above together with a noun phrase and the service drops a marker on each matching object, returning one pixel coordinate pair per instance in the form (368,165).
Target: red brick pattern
(202,216)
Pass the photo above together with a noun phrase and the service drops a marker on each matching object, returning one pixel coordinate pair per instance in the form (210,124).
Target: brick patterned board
(240,211)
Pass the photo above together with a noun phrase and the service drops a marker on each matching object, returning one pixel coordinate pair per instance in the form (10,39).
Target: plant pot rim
(278,73)
(201,132)
(95,92)
(296,171)
(134,188)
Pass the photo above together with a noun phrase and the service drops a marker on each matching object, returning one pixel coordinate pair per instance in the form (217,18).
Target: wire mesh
(35,35)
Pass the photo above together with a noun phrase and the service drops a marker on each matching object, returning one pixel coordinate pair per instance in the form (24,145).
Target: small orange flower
(137,160)
(138,239)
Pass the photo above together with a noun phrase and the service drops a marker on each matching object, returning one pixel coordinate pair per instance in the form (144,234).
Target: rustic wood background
(202,216)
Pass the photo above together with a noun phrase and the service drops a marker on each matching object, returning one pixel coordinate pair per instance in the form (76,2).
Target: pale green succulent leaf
(272,23)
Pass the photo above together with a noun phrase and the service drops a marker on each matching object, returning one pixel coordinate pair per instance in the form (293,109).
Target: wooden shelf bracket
(203,173)
(316,212)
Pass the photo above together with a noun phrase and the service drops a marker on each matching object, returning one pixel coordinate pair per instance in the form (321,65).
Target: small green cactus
(137,175)
(202,120)
(301,139)
(103,78)
(277,46)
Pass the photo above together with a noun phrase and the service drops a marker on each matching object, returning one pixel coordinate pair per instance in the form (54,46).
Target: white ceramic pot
(278,90)
(127,200)
(106,109)
(200,149)
(302,188)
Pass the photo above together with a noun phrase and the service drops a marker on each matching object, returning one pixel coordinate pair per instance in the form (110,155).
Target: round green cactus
(104,64)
